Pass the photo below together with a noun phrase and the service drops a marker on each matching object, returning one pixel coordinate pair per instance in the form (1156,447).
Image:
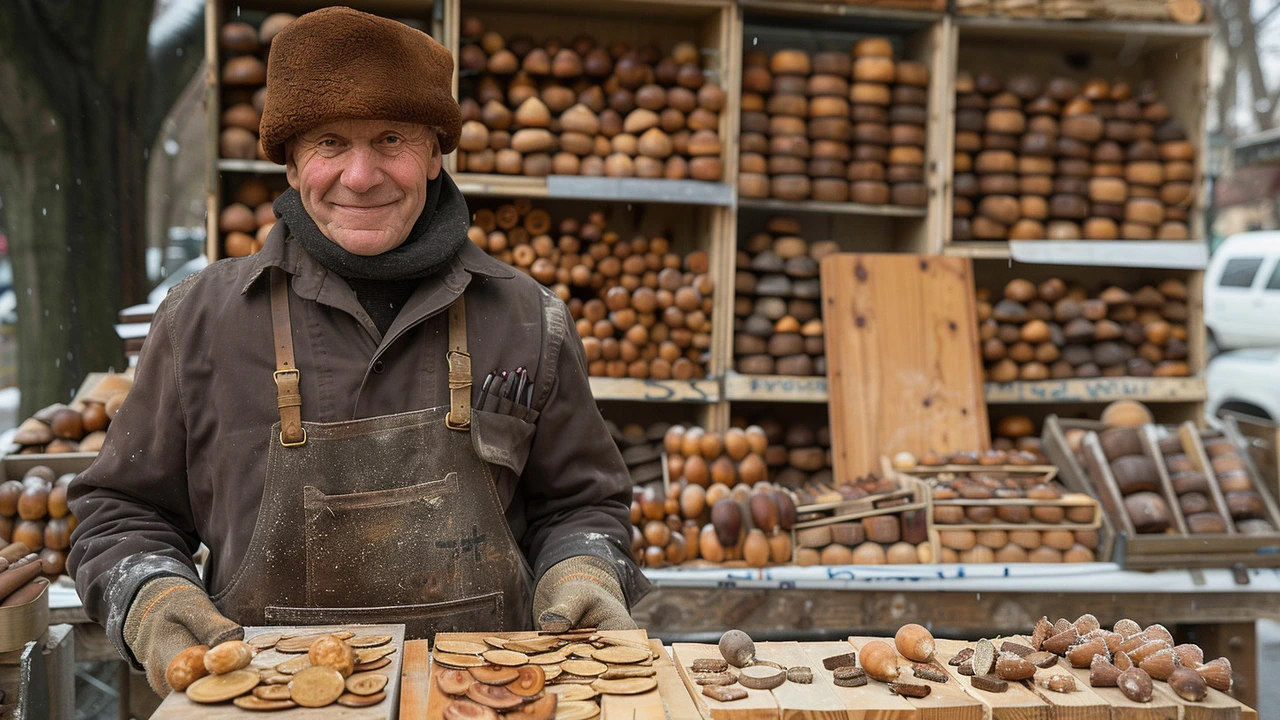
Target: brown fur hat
(339,63)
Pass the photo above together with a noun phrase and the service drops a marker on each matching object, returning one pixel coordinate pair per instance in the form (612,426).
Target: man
(311,413)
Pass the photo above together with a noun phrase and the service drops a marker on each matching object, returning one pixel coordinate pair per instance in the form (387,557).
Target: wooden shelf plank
(1116,30)
(814,206)
(1155,254)
(575,187)
(775,388)
(706,390)
(979,250)
(1100,390)
(256,167)
(839,9)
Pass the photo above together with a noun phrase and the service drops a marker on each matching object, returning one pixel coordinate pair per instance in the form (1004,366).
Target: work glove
(169,615)
(581,592)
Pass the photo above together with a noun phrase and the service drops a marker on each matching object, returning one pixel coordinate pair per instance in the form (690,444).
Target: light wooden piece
(675,696)
(1161,707)
(178,707)
(1017,703)
(415,678)
(902,369)
(869,702)
(757,705)
(1083,704)
(945,701)
(814,701)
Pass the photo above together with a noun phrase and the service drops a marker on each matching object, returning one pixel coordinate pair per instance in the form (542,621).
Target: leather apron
(389,519)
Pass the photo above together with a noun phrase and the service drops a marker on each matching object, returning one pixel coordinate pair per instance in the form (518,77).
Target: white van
(1242,291)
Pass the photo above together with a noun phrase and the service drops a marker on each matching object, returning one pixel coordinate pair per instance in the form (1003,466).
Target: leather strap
(287,377)
(459,416)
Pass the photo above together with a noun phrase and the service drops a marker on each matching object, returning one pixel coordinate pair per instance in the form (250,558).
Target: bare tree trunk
(76,126)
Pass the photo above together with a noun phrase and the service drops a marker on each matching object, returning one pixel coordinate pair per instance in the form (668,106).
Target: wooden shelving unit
(1175,56)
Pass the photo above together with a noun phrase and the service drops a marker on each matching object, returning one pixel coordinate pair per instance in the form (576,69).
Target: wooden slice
(271,677)
(551,672)
(366,655)
(368,641)
(496,642)
(577,710)
(453,682)
(582,650)
(252,702)
(622,655)
(584,668)
(375,665)
(495,674)
(459,647)
(761,677)
(620,672)
(366,683)
(467,710)
(549,658)
(358,701)
(506,657)
(272,692)
(531,646)
(317,687)
(265,641)
(544,708)
(572,693)
(529,681)
(294,665)
(221,688)
(456,661)
(299,643)
(1187,12)
(494,696)
(629,686)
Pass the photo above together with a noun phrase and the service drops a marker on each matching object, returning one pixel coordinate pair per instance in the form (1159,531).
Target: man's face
(364,182)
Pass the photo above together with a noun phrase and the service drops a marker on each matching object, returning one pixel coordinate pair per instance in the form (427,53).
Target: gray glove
(580,592)
(169,615)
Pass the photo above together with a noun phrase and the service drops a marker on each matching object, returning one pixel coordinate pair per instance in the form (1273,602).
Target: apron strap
(459,415)
(288,380)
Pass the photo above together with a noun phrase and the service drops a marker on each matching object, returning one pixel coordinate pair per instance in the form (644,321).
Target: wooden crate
(16,466)
(920,5)
(1175,549)
(1044,473)
(911,497)
(1258,440)
(1174,56)
(221,174)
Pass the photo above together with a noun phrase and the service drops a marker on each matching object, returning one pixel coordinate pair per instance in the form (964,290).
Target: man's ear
(436,162)
(290,165)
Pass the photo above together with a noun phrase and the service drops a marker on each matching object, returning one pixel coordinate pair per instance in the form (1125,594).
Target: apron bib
(389,519)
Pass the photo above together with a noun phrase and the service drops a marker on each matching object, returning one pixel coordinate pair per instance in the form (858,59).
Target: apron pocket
(369,548)
(502,440)
(481,613)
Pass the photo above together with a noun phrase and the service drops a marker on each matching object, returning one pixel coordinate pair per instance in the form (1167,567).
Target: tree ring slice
(460,647)
(573,693)
(317,686)
(506,657)
(366,683)
(621,655)
(584,668)
(253,702)
(629,686)
(355,700)
(368,641)
(221,688)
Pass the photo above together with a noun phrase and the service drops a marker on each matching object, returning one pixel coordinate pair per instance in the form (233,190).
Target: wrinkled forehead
(364,128)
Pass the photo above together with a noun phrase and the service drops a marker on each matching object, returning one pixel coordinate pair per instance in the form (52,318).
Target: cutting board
(945,701)
(1017,703)
(177,707)
(903,369)
(645,706)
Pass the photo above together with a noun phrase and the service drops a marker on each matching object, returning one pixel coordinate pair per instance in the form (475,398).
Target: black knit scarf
(383,283)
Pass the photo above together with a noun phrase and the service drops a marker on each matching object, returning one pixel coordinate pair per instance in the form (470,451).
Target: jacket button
(377,366)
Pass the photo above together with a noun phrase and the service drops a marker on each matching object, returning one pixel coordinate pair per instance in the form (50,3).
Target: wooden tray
(177,707)
(646,706)
(1073,477)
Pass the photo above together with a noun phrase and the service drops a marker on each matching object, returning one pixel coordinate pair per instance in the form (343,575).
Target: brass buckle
(300,443)
(448,422)
(276,375)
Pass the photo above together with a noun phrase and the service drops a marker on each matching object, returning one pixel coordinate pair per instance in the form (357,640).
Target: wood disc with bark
(573,693)
(366,683)
(760,677)
(467,710)
(317,687)
(495,674)
(1187,12)
(451,681)
(253,702)
(355,700)
(460,647)
(272,692)
(368,641)
(529,681)
(506,657)
(622,655)
(577,711)
(544,708)
(629,686)
(221,688)
(584,668)
(494,696)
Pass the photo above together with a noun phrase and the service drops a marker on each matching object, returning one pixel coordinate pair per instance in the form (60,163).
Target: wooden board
(1161,707)
(903,370)
(869,702)
(415,679)
(177,707)
(1083,704)
(945,701)
(1017,703)
(680,705)
(757,705)
(801,702)
(646,706)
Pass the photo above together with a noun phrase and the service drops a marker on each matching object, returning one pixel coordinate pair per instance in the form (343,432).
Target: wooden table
(963,602)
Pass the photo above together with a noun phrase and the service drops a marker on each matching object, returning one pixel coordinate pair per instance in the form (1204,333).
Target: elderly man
(312,413)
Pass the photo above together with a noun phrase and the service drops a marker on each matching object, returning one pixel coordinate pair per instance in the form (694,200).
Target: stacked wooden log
(642,311)
(35,517)
(586,108)
(777,310)
(834,126)
(717,504)
(248,218)
(1056,330)
(243,51)
(1059,160)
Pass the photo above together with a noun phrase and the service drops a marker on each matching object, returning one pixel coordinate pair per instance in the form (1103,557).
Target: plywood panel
(903,370)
